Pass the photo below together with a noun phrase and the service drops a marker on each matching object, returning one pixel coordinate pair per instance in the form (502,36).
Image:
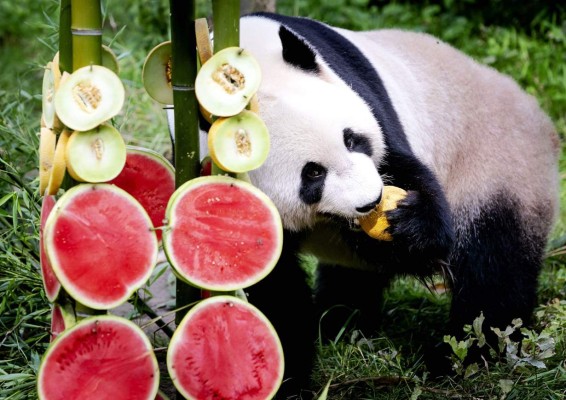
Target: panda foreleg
(347,298)
(495,271)
(285,297)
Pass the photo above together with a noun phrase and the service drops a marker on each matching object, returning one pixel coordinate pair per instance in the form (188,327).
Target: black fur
(313,176)
(296,52)
(356,142)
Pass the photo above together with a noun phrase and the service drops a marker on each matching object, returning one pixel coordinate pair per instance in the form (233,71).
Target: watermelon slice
(50,283)
(225,348)
(62,317)
(223,234)
(150,178)
(101,244)
(103,357)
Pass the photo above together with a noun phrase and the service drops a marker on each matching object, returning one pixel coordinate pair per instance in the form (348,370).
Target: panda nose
(370,206)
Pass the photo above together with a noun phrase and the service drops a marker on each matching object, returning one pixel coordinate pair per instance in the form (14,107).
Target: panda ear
(297,52)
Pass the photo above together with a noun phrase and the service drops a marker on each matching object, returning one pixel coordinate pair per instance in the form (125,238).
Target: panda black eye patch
(312,182)
(357,143)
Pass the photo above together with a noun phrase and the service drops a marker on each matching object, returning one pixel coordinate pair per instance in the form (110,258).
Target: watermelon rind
(114,348)
(211,238)
(151,184)
(62,318)
(111,251)
(51,284)
(217,355)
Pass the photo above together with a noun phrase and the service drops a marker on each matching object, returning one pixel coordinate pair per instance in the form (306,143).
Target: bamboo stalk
(86,29)
(65,37)
(184,71)
(226,17)
(226,26)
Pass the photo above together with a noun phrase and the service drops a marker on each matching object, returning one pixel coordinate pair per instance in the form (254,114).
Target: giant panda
(349,112)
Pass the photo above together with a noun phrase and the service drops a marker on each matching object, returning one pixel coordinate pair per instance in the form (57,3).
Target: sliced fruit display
(204,45)
(109,59)
(223,234)
(102,357)
(97,155)
(62,318)
(90,96)
(47,142)
(51,79)
(376,223)
(161,396)
(101,244)
(156,73)
(225,348)
(227,81)
(150,178)
(239,143)
(59,164)
(51,284)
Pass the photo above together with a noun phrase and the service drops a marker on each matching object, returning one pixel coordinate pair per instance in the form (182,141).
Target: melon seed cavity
(168,73)
(243,142)
(87,96)
(229,78)
(98,147)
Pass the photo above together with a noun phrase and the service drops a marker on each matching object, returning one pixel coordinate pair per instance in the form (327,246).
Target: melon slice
(51,79)
(47,143)
(239,143)
(150,178)
(156,73)
(90,96)
(375,224)
(51,284)
(225,348)
(101,244)
(62,318)
(59,164)
(223,234)
(109,59)
(227,81)
(97,155)
(102,357)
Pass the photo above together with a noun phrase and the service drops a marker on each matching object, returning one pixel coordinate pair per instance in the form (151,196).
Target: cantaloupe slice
(90,96)
(97,155)
(156,73)
(59,165)
(239,143)
(227,81)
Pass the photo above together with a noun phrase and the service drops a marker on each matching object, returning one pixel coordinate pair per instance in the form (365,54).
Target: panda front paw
(422,225)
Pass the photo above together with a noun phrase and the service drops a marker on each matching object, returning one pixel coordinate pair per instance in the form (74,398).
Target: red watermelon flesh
(101,244)
(223,234)
(150,179)
(57,321)
(50,282)
(104,357)
(226,349)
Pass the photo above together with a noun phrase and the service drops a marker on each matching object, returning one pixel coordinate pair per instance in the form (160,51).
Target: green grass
(389,366)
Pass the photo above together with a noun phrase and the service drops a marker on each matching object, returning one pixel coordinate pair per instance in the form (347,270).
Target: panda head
(325,142)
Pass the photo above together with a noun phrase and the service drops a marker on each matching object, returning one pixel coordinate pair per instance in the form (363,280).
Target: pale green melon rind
(109,59)
(112,98)
(49,237)
(177,340)
(154,73)
(82,163)
(213,97)
(91,323)
(171,220)
(223,147)
(48,92)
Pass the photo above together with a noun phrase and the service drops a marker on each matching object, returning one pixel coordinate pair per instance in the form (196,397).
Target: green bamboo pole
(86,29)
(226,26)
(65,37)
(184,72)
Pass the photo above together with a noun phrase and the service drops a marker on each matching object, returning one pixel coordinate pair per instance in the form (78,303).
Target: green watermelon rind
(49,235)
(227,286)
(61,337)
(177,339)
